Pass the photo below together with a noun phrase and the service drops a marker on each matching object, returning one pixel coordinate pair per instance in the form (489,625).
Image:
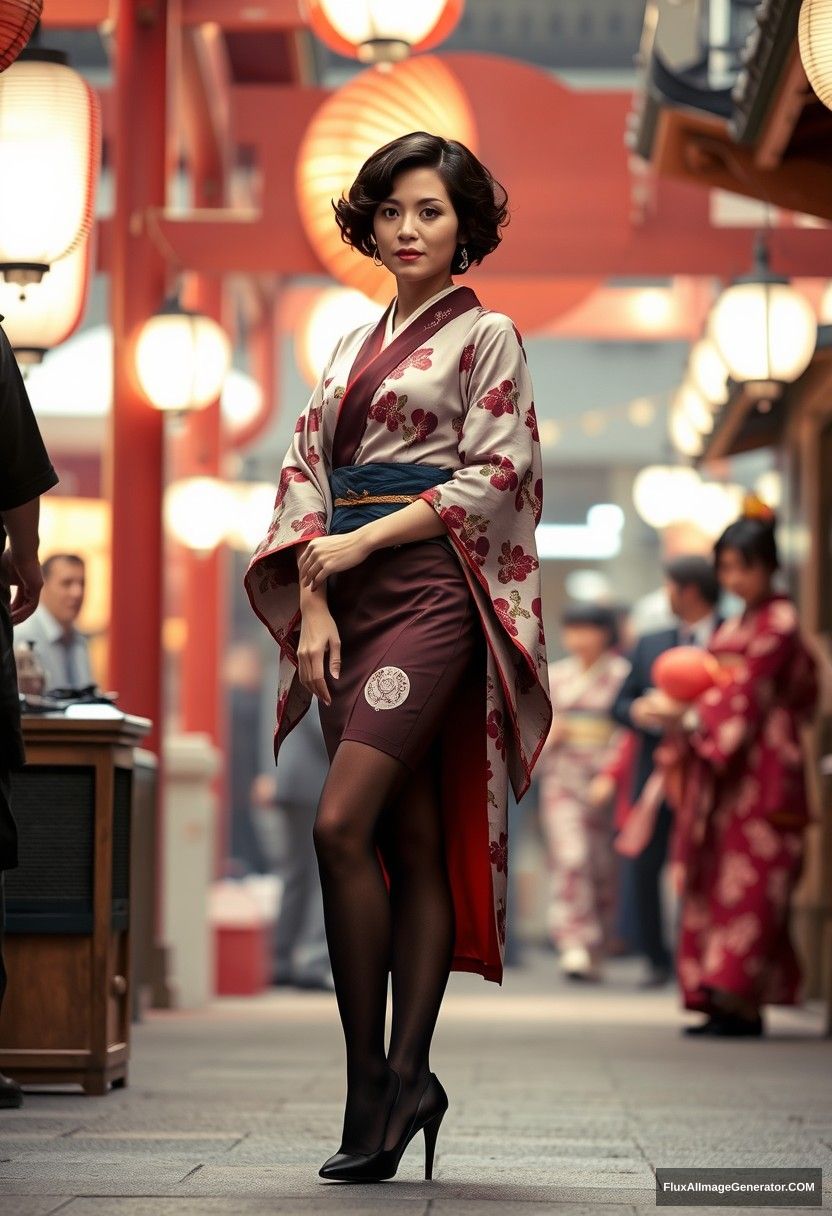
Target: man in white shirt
(59,648)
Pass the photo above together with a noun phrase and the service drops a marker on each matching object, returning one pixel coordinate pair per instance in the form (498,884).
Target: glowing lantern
(814,35)
(708,372)
(694,408)
(685,672)
(684,434)
(763,328)
(198,510)
(376,107)
(382,31)
(18,19)
(182,359)
(241,401)
(661,493)
(50,151)
(336,311)
(51,310)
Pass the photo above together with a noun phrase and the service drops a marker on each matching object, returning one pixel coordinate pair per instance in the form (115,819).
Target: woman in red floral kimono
(742,805)
(401,581)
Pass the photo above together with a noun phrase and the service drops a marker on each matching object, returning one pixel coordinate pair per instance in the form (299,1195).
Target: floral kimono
(579,835)
(448,400)
(742,810)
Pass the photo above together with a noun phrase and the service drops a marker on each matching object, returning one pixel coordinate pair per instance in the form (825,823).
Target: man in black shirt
(25,473)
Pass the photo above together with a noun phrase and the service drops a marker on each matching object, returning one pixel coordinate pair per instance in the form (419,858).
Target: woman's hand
(327,555)
(318,634)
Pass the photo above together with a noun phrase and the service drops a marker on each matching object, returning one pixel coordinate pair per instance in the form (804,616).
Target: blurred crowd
(668,805)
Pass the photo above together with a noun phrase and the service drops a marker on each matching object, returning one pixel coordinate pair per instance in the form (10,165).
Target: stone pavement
(563,1100)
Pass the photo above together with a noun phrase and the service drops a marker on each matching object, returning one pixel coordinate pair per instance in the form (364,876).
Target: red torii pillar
(137,287)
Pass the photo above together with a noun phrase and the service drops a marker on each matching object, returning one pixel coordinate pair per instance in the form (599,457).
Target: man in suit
(693,592)
(59,648)
(25,473)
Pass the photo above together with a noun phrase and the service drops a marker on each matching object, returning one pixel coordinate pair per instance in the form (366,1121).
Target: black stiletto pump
(359,1167)
(429,1114)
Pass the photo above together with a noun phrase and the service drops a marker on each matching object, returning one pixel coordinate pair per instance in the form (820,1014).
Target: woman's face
(751,583)
(417,228)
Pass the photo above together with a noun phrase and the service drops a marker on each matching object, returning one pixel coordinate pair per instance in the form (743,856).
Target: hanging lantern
(336,310)
(50,152)
(708,372)
(825,310)
(18,19)
(382,31)
(198,511)
(182,359)
(661,493)
(686,438)
(814,36)
(763,328)
(420,95)
(50,311)
(694,408)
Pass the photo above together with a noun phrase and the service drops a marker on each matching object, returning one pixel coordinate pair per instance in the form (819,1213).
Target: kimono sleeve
(731,716)
(302,510)
(490,507)
(493,502)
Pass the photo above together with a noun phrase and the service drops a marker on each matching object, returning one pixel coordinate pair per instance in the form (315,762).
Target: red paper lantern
(17,20)
(685,672)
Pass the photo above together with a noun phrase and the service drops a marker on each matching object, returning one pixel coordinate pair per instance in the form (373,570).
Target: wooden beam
(76,14)
(699,150)
(245,14)
(792,95)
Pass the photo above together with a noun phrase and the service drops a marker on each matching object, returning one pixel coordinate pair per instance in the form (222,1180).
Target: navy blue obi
(359,482)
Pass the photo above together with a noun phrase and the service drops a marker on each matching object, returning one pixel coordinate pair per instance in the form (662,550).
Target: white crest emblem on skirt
(387,688)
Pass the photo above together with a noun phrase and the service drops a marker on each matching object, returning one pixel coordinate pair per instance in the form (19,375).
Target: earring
(377,258)
(463,258)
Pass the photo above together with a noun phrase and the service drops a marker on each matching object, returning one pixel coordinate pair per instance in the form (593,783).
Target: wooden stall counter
(67,1011)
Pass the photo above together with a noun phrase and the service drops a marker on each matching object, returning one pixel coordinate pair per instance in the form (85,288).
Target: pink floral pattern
(515,565)
(501,472)
(502,399)
(419,360)
(422,424)
(388,410)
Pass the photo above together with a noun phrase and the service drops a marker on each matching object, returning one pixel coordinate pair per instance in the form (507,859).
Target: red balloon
(685,672)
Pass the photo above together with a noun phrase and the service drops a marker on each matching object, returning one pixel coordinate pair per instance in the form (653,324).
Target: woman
(742,807)
(401,582)
(576,826)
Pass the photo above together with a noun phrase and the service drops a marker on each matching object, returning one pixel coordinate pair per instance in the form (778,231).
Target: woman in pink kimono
(577,828)
(401,582)
(738,787)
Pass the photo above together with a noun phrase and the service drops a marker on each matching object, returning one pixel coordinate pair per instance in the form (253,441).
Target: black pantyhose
(371,799)
(412,845)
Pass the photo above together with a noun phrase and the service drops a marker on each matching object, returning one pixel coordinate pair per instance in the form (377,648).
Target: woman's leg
(357,915)
(412,843)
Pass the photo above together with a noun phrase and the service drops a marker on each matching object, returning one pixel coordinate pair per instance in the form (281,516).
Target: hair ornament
(753,507)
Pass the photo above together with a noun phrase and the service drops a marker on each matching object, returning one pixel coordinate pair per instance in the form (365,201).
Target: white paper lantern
(181,359)
(661,493)
(763,328)
(708,371)
(49,311)
(814,35)
(686,439)
(695,409)
(198,511)
(50,152)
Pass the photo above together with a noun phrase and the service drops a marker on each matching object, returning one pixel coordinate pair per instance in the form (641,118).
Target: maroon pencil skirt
(408,629)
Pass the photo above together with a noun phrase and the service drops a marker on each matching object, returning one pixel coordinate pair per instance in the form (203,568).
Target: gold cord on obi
(354,499)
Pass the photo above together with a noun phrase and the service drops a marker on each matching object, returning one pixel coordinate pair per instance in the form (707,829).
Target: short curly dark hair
(480,202)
